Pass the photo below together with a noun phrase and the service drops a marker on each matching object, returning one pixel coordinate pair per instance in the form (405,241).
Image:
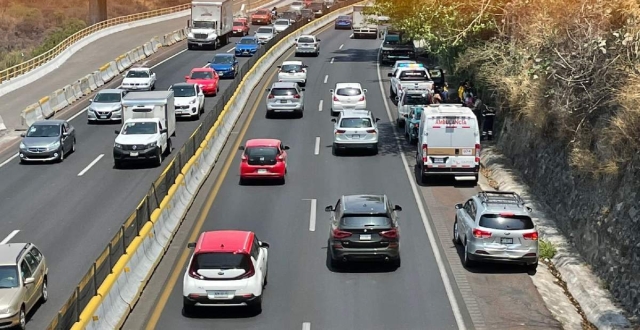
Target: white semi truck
(211,24)
(364,26)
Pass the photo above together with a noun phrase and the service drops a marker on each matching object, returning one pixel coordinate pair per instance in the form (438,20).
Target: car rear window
(265,30)
(261,155)
(201,75)
(355,123)
(414,75)
(238,24)
(516,222)
(282,22)
(283,91)
(222,261)
(355,221)
(350,91)
(291,68)
(305,40)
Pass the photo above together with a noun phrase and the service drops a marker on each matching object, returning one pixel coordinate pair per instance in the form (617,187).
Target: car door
(284,154)
(64,138)
(71,132)
(163,137)
(335,216)
(37,273)
(29,289)
(468,217)
(200,94)
(259,256)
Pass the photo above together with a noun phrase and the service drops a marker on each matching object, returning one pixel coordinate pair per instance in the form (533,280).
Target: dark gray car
(47,140)
(364,227)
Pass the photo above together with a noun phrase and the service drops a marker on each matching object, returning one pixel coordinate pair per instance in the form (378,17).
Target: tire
(22,161)
(532,267)
(197,115)
(61,157)
(217,91)
(189,46)
(456,233)
(267,114)
(335,264)
(73,146)
(44,295)
(466,261)
(282,180)
(375,150)
(159,158)
(188,310)
(397,263)
(117,164)
(266,279)
(334,150)
(393,95)
(300,113)
(169,146)
(22,324)
(257,306)
(296,54)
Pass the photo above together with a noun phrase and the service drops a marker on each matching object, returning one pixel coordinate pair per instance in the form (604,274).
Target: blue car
(226,65)
(247,46)
(343,22)
(412,126)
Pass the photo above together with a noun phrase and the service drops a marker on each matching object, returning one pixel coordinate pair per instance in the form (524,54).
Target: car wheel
(257,305)
(456,234)
(73,146)
(44,295)
(391,92)
(117,164)
(375,150)
(242,181)
(296,54)
(267,114)
(169,147)
(189,46)
(532,267)
(397,263)
(188,310)
(466,261)
(22,161)
(334,150)
(159,158)
(22,319)
(301,113)
(197,115)
(61,156)
(335,264)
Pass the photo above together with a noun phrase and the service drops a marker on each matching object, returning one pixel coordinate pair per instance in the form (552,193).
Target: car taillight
(270,96)
(361,98)
(335,98)
(425,151)
(297,96)
(393,233)
(477,152)
(340,131)
(248,274)
(194,274)
(479,233)
(281,157)
(533,236)
(372,131)
(244,158)
(341,234)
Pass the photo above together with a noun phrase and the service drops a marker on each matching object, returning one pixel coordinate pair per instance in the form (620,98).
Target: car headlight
(54,145)
(22,145)
(190,35)
(90,110)
(151,145)
(117,145)
(6,310)
(192,101)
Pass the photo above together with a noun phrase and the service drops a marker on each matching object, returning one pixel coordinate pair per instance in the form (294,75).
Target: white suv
(308,45)
(227,268)
(355,129)
(293,71)
(347,96)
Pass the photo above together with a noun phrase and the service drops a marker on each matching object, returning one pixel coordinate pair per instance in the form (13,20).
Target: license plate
(199,44)
(103,117)
(355,136)
(506,240)
(283,101)
(262,171)
(438,160)
(220,294)
(467,152)
(134,154)
(365,237)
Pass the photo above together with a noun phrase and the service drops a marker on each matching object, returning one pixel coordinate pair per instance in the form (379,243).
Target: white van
(448,143)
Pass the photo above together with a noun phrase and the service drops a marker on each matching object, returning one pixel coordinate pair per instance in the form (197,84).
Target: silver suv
(355,129)
(23,282)
(496,226)
(285,97)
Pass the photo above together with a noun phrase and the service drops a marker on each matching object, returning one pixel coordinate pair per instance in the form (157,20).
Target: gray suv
(285,97)
(496,226)
(364,227)
(23,282)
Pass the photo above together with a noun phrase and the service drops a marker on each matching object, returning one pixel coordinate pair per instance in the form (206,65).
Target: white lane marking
(425,220)
(9,159)
(332,59)
(10,236)
(320,105)
(351,36)
(86,169)
(326,78)
(312,214)
(316,149)
(230,50)
(306,326)
(341,46)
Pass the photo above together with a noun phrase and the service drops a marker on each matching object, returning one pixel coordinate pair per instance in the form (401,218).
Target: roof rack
(500,197)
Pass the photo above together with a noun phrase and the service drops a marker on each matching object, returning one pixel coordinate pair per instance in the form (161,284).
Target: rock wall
(600,216)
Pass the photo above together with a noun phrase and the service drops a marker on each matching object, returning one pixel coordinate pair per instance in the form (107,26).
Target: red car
(263,159)
(207,78)
(240,27)
(262,17)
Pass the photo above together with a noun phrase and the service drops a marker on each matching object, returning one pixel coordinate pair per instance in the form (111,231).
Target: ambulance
(448,143)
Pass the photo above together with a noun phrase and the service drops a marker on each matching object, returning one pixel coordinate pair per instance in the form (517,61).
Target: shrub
(546,249)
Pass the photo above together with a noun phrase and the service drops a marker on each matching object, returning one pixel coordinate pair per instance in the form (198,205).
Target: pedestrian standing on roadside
(461,89)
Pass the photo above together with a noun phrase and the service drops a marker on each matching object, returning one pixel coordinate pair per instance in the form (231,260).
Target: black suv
(364,227)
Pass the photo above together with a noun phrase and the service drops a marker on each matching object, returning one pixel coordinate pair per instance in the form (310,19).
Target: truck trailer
(364,26)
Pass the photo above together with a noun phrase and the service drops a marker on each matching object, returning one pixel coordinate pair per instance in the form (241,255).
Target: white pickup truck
(409,77)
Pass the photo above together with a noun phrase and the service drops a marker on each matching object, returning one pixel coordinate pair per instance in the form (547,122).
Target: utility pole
(97,11)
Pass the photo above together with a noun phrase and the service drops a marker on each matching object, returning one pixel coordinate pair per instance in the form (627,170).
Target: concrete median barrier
(31,114)
(61,100)
(45,107)
(97,77)
(69,94)
(113,67)
(84,85)
(148,49)
(105,74)
(156,43)
(91,78)
(77,90)
(3,127)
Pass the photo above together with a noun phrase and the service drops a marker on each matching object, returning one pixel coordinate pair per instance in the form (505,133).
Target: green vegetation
(546,249)
(570,68)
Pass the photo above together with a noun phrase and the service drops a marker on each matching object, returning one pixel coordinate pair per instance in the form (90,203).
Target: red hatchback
(207,78)
(240,27)
(263,159)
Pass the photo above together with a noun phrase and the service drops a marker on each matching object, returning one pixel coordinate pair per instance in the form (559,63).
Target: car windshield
(139,128)
(416,99)
(305,40)
(137,74)
(261,155)
(344,17)
(517,222)
(316,6)
(289,14)
(203,25)
(107,98)
(283,91)
(44,131)
(262,12)
(222,60)
(264,30)
(356,221)
(201,75)
(291,68)
(9,277)
(184,91)
(238,24)
(413,75)
(306,11)
(349,91)
(355,123)
(221,261)
(247,41)
(282,22)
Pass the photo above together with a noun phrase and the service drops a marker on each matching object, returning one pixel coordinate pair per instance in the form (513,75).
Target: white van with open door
(448,143)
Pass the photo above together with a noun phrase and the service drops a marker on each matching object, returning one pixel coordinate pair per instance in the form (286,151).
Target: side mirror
(117,132)
(279,66)
(29,280)
(267,89)
(264,244)
(302,89)
(305,66)
(209,62)
(241,148)
(331,91)
(397,208)
(397,98)
(286,148)
(529,209)
(90,100)
(377,120)
(333,120)
(23,135)
(390,74)
(405,115)
(235,62)
(164,130)
(186,77)
(458,206)
(65,134)
(191,245)
(329,208)
(364,90)
(318,40)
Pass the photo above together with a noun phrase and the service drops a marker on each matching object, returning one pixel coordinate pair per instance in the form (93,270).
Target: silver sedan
(47,140)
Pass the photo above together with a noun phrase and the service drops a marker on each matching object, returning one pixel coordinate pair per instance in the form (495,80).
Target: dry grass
(573,69)
(27,25)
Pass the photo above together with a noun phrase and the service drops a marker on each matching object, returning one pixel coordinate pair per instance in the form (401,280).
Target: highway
(72,209)
(303,292)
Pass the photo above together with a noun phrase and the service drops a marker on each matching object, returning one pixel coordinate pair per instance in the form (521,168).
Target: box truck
(364,26)
(211,24)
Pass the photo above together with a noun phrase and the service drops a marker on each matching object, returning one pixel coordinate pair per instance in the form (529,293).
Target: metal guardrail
(101,268)
(41,59)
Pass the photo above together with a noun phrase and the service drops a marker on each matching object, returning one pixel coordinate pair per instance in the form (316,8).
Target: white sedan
(281,24)
(293,71)
(139,79)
